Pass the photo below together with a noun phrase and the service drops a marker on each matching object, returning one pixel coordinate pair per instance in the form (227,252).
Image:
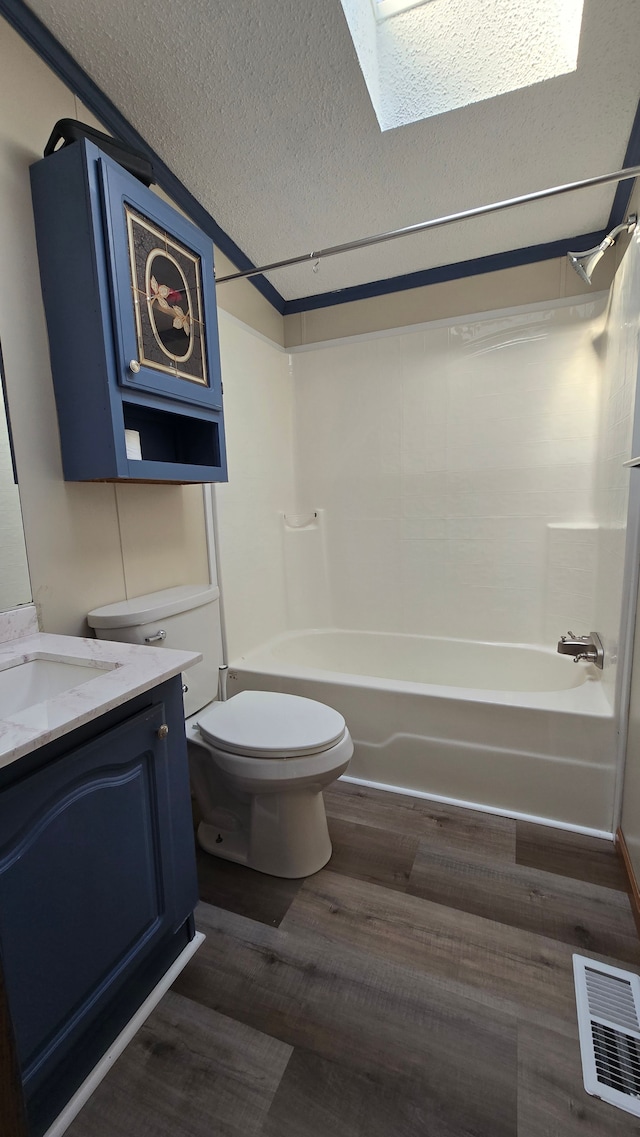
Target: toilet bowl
(273,754)
(259,760)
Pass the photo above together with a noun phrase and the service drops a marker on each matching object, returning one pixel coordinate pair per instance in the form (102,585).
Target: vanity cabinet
(129,297)
(97,887)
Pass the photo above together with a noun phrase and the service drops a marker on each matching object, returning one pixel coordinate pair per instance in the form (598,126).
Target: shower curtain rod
(421,227)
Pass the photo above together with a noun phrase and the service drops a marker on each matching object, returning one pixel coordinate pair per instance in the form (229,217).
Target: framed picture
(163,294)
(166,287)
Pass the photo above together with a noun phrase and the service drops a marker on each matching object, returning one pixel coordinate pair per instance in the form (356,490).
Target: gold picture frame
(166,287)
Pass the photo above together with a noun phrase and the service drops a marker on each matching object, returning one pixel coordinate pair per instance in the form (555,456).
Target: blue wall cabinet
(97,888)
(129,296)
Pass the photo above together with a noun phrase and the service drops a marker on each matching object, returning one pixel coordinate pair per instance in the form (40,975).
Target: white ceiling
(431,58)
(261,109)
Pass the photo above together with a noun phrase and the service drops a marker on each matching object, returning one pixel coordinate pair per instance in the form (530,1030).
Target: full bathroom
(319,752)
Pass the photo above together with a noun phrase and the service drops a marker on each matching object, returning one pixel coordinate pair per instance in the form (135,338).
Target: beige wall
(529,284)
(14,574)
(243,301)
(87,544)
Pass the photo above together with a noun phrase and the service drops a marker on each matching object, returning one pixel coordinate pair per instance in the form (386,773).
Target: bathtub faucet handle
(587,649)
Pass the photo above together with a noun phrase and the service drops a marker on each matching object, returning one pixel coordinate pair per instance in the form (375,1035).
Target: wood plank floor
(418,986)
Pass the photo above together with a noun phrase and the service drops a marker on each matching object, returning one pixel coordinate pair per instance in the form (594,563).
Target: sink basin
(36,679)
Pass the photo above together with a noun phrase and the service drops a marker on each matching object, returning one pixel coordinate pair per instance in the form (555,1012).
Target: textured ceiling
(432,58)
(261,109)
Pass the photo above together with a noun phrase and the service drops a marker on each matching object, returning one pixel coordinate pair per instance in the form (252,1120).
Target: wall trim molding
(231,319)
(44,43)
(624,190)
(632,882)
(513,258)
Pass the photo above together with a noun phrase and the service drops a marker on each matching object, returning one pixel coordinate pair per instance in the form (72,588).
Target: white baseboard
(548,821)
(84,1092)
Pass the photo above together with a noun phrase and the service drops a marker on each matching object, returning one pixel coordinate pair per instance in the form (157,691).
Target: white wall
(624,357)
(442,457)
(618,348)
(466,477)
(258,413)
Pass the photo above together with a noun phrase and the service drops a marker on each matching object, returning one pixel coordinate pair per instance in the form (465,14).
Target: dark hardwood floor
(418,986)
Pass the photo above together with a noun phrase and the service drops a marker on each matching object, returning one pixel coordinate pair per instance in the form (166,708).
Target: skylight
(421,58)
(385,8)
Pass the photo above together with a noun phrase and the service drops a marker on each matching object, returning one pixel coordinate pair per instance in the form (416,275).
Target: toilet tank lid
(153,606)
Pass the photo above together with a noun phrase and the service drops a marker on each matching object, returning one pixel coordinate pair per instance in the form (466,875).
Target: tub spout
(583,648)
(571,644)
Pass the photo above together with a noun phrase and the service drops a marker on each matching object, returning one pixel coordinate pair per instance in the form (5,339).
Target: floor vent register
(608,1002)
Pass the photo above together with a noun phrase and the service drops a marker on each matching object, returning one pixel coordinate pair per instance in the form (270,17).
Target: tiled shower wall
(457,469)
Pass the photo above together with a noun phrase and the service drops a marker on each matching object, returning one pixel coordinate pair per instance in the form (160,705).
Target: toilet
(259,760)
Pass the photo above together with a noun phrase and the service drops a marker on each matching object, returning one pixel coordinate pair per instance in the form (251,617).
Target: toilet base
(287,835)
(230,845)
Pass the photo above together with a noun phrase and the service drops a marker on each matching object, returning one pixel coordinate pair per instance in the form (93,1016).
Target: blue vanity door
(163,294)
(90,881)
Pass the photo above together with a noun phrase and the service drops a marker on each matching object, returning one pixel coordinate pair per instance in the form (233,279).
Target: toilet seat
(271,725)
(280,775)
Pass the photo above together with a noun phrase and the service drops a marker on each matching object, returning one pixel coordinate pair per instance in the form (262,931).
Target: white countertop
(122,671)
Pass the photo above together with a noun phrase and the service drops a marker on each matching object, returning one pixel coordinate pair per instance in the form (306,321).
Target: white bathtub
(512,728)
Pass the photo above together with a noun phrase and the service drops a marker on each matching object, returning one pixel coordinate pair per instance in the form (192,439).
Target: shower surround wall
(619,354)
(258,395)
(467,477)
(461,480)
(456,466)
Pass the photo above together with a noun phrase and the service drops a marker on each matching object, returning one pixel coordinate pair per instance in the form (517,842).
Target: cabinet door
(163,294)
(87,883)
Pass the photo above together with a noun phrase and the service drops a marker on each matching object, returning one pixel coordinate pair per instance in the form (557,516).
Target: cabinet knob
(134,366)
(163,730)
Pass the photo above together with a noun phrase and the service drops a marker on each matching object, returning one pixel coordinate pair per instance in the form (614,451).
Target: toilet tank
(189,616)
